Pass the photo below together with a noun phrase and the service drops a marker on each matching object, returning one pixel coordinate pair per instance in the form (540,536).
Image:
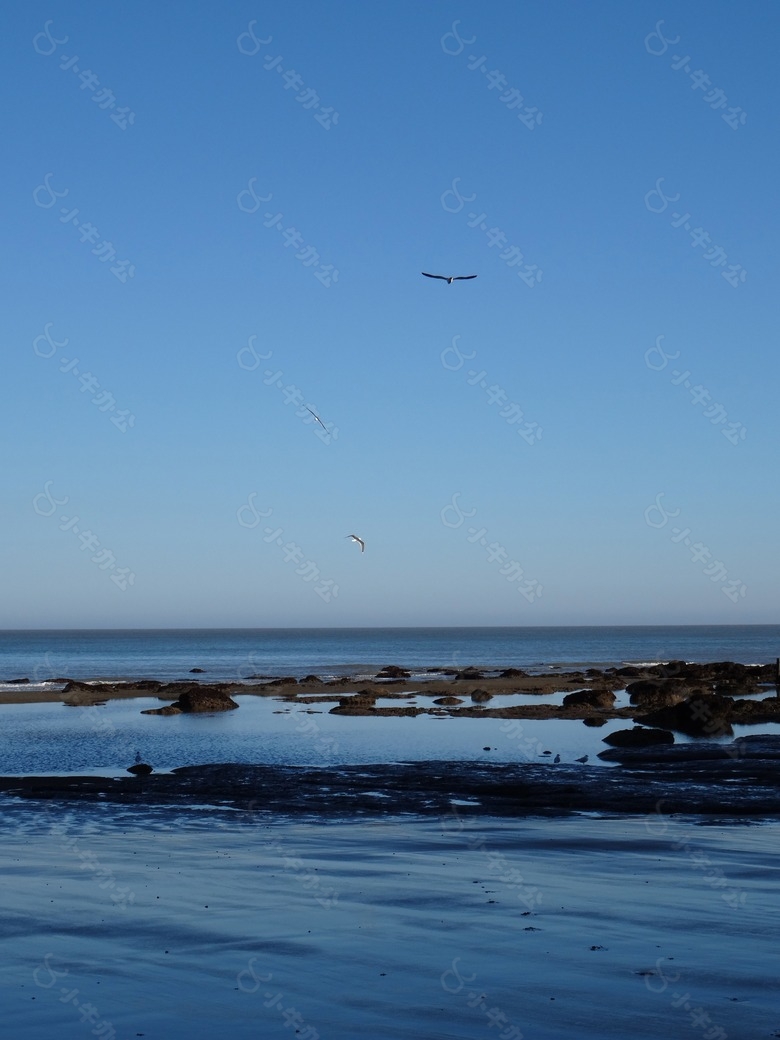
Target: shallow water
(52,738)
(239,923)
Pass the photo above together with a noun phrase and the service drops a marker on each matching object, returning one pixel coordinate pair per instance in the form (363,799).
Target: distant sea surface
(237,654)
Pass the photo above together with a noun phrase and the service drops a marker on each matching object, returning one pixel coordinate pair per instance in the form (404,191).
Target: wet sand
(438,900)
(174,925)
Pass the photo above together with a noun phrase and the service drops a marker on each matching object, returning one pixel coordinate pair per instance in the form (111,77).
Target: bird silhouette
(449,279)
(360,541)
(583,759)
(557,759)
(317,418)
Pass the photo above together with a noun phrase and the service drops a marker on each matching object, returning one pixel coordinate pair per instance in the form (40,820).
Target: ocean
(237,654)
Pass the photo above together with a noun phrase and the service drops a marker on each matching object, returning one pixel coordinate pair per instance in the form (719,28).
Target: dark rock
(469,673)
(311,678)
(639,737)
(481,696)
(589,699)
(698,716)
(592,720)
(752,712)
(16,682)
(447,701)
(195,670)
(672,668)
(360,703)
(513,673)
(628,670)
(140,769)
(742,675)
(286,680)
(392,671)
(659,693)
(196,700)
(73,685)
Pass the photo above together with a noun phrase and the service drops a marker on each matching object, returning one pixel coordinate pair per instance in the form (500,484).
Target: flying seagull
(450,279)
(360,541)
(322,424)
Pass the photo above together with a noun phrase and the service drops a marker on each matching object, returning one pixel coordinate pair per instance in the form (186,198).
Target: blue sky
(370,197)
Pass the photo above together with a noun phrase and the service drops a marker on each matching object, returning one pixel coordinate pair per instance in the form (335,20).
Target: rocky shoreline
(699,700)
(737,780)
(696,699)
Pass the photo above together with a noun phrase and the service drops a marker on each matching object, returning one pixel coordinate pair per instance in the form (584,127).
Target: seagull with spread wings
(360,541)
(449,279)
(317,419)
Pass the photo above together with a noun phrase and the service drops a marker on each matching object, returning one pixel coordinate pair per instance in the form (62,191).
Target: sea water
(237,654)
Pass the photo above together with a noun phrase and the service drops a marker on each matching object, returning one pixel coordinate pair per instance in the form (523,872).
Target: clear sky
(174,130)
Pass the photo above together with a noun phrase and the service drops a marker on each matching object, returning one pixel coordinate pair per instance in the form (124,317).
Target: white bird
(450,279)
(322,424)
(360,541)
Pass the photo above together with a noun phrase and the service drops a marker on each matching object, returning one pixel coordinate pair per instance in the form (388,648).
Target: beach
(402,852)
(173,923)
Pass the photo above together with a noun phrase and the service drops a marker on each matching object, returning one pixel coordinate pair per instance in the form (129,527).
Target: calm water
(54,738)
(230,654)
